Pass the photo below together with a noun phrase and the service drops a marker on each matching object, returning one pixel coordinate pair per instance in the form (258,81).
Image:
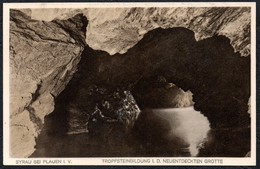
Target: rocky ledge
(43,58)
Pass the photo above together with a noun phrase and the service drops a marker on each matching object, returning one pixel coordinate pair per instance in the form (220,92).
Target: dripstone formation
(66,63)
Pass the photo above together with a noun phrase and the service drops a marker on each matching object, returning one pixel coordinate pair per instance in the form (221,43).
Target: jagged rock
(44,55)
(118,30)
(95,109)
(43,58)
(126,27)
(218,77)
(114,110)
(156,92)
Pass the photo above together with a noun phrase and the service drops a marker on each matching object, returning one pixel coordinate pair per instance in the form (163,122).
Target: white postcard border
(246,161)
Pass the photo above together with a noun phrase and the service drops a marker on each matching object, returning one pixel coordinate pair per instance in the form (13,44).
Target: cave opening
(116,105)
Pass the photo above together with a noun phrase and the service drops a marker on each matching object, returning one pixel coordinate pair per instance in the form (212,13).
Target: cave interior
(100,111)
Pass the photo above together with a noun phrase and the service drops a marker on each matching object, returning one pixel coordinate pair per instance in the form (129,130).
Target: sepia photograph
(143,84)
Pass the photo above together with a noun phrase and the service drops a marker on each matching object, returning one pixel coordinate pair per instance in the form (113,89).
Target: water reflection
(175,132)
(186,128)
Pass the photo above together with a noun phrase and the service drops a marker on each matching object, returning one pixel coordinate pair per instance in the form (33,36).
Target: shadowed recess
(108,93)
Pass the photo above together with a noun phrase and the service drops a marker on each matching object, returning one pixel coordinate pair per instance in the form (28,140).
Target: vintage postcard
(129,84)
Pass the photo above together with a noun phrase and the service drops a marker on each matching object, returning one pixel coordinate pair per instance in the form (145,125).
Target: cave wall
(116,31)
(44,56)
(218,77)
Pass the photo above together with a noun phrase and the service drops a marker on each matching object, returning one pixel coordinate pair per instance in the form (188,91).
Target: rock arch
(218,77)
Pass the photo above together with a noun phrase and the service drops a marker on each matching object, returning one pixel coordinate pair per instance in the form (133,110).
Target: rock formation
(43,58)
(118,30)
(147,43)
(218,77)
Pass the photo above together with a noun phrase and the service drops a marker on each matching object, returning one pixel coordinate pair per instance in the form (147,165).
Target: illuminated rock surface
(43,58)
(118,30)
(44,55)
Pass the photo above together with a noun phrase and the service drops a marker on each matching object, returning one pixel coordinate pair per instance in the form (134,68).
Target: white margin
(6,86)
(248,161)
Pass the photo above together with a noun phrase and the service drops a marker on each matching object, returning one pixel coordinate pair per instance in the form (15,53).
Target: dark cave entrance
(97,114)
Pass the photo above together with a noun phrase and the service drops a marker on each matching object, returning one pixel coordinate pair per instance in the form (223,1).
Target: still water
(171,132)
